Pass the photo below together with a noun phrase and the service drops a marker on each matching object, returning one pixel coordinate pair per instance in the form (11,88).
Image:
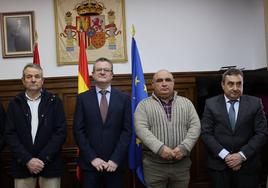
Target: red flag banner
(83,78)
(83,81)
(36,59)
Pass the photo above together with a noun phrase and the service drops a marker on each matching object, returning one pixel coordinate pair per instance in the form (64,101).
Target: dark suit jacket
(249,136)
(108,141)
(49,138)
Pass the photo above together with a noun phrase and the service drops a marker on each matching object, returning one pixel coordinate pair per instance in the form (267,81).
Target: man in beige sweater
(168,126)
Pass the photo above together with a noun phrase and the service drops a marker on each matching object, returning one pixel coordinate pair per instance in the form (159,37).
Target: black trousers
(234,179)
(95,179)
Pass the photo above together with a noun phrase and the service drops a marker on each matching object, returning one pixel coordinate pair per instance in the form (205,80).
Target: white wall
(179,35)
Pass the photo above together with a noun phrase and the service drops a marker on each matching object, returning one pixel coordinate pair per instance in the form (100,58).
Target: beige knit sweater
(155,130)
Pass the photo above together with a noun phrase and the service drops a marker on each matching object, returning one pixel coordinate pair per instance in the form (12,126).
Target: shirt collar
(159,99)
(30,99)
(108,89)
(227,99)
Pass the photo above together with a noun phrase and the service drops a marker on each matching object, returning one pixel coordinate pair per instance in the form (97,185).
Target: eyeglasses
(163,79)
(103,69)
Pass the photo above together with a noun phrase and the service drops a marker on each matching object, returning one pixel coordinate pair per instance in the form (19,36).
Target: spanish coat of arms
(98,22)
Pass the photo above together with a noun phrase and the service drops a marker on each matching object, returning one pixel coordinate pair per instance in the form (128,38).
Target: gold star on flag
(138,141)
(136,81)
(145,89)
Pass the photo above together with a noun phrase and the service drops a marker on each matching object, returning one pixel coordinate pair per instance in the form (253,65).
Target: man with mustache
(168,127)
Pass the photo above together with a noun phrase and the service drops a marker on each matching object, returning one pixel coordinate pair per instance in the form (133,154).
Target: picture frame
(17,34)
(102,22)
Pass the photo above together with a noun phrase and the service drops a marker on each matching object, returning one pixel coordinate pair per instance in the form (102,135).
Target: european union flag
(139,92)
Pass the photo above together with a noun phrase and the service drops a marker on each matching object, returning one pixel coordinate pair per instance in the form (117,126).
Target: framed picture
(101,22)
(17,34)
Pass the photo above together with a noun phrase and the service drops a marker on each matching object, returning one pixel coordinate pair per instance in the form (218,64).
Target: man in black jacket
(35,132)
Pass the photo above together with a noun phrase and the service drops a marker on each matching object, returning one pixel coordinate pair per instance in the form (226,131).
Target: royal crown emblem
(91,22)
(90,7)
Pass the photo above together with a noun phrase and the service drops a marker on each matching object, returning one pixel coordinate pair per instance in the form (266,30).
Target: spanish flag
(83,80)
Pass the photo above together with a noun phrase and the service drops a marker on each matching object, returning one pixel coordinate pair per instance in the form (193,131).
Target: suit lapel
(243,106)
(223,110)
(112,104)
(94,102)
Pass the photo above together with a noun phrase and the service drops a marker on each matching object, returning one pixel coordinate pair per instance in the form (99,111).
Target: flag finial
(133,32)
(35,36)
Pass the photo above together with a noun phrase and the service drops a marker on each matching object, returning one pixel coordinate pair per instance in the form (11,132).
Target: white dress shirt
(34,104)
(108,94)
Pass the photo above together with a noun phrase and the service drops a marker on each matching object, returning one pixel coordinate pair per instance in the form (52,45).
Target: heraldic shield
(94,26)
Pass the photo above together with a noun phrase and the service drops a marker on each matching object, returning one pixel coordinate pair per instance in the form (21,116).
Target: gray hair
(232,71)
(32,65)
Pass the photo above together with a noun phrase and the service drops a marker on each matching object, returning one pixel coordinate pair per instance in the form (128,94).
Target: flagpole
(35,36)
(133,173)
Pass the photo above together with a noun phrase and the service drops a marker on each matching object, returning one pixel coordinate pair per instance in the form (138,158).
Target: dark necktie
(103,105)
(232,114)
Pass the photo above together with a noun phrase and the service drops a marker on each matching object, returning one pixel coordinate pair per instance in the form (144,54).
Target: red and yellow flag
(83,79)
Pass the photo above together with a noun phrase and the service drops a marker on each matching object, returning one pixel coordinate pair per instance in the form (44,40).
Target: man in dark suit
(234,129)
(35,133)
(102,129)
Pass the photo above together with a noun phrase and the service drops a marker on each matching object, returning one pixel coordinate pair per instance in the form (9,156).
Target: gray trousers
(166,175)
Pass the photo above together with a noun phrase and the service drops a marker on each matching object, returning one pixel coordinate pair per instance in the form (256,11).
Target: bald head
(162,71)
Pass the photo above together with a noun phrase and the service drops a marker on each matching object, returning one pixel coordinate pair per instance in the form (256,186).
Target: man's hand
(99,164)
(177,153)
(112,166)
(35,165)
(233,160)
(166,153)
(236,168)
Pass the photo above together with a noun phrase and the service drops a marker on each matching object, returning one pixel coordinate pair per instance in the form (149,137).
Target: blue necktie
(232,114)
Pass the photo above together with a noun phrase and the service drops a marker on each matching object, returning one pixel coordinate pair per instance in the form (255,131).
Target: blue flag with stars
(139,92)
